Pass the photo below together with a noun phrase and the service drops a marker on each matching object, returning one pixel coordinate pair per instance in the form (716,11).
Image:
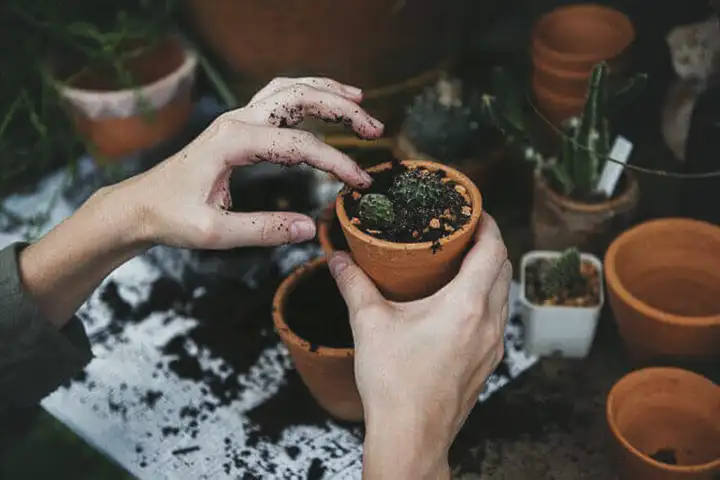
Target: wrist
(404,446)
(122,216)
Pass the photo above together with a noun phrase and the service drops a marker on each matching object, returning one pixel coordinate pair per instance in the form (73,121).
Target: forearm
(62,269)
(398,448)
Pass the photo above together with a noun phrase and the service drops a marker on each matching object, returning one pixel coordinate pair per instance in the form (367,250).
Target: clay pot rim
(281,327)
(188,65)
(581,207)
(557,98)
(598,13)
(626,382)
(642,230)
(454,174)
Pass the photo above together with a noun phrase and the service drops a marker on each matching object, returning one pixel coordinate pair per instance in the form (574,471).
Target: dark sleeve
(35,357)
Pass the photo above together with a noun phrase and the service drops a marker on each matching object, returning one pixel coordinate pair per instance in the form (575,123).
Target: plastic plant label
(620,153)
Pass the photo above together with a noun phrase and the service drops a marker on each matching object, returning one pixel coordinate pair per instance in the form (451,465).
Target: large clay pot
(559,222)
(370,44)
(327,372)
(663,279)
(665,412)
(114,121)
(410,271)
(576,37)
(566,44)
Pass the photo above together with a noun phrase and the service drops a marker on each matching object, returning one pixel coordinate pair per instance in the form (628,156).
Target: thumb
(355,286)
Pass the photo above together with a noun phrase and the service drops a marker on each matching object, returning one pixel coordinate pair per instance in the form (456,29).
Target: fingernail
(366,178)
(377,123)
(302,231)
(353,90)
(337,263)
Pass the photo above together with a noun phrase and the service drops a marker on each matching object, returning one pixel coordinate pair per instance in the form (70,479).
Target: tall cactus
(586,143)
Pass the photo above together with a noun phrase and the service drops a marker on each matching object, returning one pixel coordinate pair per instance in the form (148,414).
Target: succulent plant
(587,139)
(563,273)
(446,121)
(418,189)
(376,210)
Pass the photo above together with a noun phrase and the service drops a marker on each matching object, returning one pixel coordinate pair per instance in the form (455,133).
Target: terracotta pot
(327,372)
(572,85)
(480,170)
(559,222)
(663,280)
(575,37)
(394,267)
(112,119)
(324,225)
(656,410)
(557,108)
(369,44)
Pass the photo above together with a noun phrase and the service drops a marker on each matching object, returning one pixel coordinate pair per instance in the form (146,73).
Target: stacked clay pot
(566,43)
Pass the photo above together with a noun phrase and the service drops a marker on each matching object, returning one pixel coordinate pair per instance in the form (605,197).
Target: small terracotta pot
(568,84)
(324,224)
(480,170)
(410,271)
(575,37)
(663,280)
(557,108)
(327,372)
(108,118)
(559,222)
(665,409)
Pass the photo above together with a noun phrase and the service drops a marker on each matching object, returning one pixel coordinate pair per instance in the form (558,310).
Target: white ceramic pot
(558,330)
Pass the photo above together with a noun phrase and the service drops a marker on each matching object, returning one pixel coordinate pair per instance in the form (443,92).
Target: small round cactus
(376,211)
(419,189)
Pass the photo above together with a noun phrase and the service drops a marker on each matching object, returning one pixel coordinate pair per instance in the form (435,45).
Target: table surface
(191,382)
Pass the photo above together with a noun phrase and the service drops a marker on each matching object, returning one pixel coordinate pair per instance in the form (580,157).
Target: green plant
(376,211)
(563,274)
(418,189)
(585,143)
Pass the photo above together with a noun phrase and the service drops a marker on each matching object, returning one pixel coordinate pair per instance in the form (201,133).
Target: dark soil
(337,237)
(585,294)
(412,225)
(666,456)
(316,311)
(592,197)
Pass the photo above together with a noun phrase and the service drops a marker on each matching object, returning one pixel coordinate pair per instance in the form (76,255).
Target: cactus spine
(418,189)
(563,274)
(376,211)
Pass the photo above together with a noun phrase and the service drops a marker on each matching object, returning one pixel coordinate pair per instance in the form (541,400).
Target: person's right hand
(420,366)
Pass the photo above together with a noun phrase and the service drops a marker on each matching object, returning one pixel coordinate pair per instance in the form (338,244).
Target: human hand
(420,366)
(184,201)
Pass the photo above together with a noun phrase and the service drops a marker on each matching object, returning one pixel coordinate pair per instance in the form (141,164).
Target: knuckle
(272,229)
(206,231)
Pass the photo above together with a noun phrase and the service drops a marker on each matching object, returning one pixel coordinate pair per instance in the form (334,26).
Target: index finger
(484,262)
(238,143)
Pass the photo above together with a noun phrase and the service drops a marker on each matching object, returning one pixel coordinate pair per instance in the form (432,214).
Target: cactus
(586,140)
(446,122)
(376,211)
(418,189)
(563,274)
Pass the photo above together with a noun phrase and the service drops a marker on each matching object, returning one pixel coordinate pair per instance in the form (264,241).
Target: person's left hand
(184,200)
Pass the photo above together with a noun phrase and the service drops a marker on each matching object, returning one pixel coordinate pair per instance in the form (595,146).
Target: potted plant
(561,296)
(312,320)
(665,425)
(569,208)
(663,280)
(446,124)
(122,73)
(415,214)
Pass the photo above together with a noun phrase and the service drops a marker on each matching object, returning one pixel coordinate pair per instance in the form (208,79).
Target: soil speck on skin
(666,456)
(412,225)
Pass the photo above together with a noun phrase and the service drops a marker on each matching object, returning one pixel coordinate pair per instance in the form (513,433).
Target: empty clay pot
(327,372)
(410,271)
(557,108)
(109,117)
(572,85)
(666,425)
(576,37)
(663,278)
